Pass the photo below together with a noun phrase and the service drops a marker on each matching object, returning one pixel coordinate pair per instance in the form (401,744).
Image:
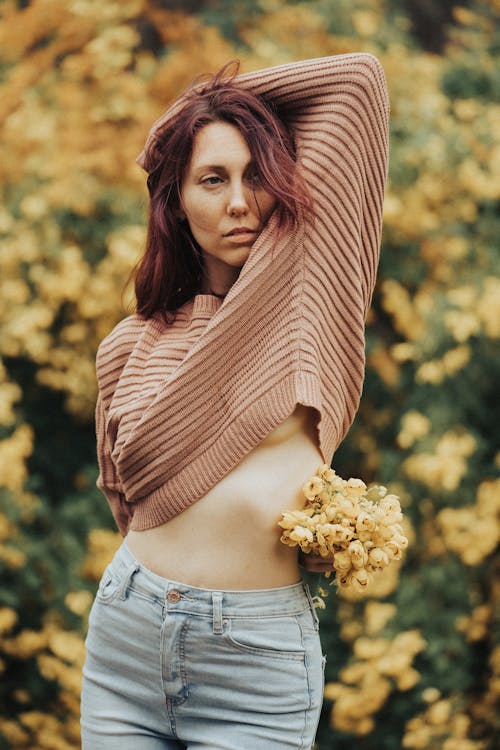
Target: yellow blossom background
(413,662)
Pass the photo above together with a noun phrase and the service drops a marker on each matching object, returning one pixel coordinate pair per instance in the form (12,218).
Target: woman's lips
(241,236)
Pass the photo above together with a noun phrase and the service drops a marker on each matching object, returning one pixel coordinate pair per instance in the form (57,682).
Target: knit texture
(181,404)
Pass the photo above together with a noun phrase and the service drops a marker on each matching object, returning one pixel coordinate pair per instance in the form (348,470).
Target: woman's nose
(238,201)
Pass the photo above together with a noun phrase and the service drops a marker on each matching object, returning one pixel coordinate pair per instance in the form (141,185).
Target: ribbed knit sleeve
(111,358)
(108,480)
(338,111)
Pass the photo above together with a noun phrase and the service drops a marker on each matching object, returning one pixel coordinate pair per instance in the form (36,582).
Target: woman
(240,372)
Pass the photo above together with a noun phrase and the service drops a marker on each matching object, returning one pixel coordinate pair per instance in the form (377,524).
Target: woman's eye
(211,180)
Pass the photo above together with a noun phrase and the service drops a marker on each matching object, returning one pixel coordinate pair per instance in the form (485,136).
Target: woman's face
(223,202)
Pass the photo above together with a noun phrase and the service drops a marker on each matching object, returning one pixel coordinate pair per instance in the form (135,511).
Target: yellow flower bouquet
(356,527)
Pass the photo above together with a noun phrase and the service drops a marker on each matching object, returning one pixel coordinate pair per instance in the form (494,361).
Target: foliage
(415,661)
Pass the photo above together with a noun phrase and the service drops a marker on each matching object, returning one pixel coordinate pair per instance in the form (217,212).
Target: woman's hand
(316,564)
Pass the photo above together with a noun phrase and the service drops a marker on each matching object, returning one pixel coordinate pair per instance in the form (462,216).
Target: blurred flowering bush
(414,661)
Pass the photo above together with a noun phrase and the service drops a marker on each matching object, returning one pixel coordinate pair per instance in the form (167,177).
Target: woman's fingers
(315,564)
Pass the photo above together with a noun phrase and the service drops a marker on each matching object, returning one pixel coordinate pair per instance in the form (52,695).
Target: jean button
(173,596)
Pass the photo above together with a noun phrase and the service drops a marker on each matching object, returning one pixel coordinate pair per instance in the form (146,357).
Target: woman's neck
(218,278)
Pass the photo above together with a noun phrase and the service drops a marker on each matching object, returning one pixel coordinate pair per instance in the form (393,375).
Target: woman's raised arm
(338,110)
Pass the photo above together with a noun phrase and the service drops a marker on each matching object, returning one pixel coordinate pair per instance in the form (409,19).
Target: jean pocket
(269,637)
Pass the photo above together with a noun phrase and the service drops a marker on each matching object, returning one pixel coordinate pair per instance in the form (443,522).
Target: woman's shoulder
(116,347)
(124,334)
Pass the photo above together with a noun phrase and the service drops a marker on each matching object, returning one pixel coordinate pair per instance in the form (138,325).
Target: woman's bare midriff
(229,539)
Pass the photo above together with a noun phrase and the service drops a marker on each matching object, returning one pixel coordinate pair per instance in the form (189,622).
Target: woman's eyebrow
(215,167)
(218,167)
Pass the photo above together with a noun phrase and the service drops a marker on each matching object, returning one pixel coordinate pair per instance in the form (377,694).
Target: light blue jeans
(174,666)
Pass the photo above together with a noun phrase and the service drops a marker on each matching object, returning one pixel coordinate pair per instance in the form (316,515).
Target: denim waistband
(182,597)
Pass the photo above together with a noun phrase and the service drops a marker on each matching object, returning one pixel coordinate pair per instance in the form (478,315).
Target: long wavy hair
(170,271)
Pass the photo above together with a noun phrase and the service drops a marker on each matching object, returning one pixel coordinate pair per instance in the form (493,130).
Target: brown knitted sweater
(181,404)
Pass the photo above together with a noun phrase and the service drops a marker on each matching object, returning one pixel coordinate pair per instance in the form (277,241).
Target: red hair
(170,271)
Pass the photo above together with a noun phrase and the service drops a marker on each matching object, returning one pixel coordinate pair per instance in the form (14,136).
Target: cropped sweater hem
(247,428)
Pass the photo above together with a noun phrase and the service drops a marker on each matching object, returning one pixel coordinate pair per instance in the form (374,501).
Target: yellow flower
(488,307)
(407,679)
(357,578)
(8,618)
(392,550)
(370,648)
(378,558)
(318,602)
(26,644)
(355,487)
(439,712)
(377,615)
(329,475)
(299,534)
(313,487)
(342,561)
(359,556)
(365,525)
(430,695)
(285,539)
(14,734)
(414,427)
(12,557)
(446,465)
(337,534)
(67,646)
(376,492)
(389,511)
(289,519)
(347,507)
(321,541)
(14,450)
(472,536)
(488,498)
(381,535)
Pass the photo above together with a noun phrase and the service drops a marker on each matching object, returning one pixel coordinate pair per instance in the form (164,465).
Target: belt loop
(217,612)
(311,604)
(131,570)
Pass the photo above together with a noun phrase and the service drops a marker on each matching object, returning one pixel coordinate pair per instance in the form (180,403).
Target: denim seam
(169,705)
(143,595)
(243,616)
(265,615)
(182,654)
(160,655)
(308,685)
